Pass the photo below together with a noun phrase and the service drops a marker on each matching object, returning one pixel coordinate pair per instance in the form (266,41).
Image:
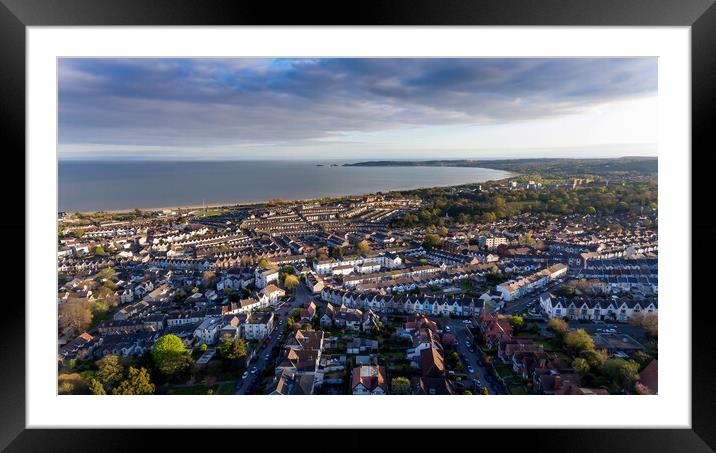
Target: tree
(290,282)
(208,278)
(623,372)
(442,231)
(99,251)
(648,321)
(138,382)
(110,370)
(233,349)
(170,355)
(96,387)
(484,391)
(488,217)
(75,316)
(579,340)
(266,264)
(336,252)
(517,322)
(595,358)
(581,365)
(557,325)
(431,241)
(107,272)
(203,347)
(71,383)
(400,386)
(363,248)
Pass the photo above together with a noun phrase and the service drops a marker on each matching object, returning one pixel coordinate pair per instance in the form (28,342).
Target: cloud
(242,101)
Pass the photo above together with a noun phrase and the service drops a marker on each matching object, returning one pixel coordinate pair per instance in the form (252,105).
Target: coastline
(242,204)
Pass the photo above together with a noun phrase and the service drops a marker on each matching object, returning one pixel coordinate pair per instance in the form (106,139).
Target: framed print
(409,217)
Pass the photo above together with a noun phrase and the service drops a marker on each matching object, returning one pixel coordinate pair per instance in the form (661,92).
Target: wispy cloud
(240,104)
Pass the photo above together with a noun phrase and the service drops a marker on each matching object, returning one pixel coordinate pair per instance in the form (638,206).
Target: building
(264,277)
(368,380)
(258,325)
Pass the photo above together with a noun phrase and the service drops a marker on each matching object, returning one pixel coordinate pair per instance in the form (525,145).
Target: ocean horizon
(105,185)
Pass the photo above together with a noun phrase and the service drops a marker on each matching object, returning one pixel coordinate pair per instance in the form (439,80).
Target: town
(537,284)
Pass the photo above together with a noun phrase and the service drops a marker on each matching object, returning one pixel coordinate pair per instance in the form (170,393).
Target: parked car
(254,370)
(470,369)
(243,376)
(447,329)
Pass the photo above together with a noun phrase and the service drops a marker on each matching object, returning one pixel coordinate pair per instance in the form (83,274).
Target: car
(466,321)
(243,376)
(447,329)
(467,343)
(267,357)
(470,369)
(478,383)
(254,370)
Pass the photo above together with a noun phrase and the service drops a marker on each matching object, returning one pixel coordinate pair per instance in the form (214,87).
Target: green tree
(363,248)
(595,358)
(203,347)
(110,370)
(579,340)
(623,372)
(580,365)
(99,251)
(107,272)
(432,241)
(648,321)
(170,355)
(517,322)
(484,391)
(336,252)
(208,278)
(75,316)
(233,349)
(138,382)
(290,282)
(96,387)
(400,386)
(442,231)
(557,325)
(488,217)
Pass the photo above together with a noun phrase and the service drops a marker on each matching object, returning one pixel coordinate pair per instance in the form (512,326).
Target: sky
(358,109)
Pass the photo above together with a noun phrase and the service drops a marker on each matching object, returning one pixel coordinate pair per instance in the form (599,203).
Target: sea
(123,185)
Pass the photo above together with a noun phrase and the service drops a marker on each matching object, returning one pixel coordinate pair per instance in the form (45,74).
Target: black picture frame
(16,15)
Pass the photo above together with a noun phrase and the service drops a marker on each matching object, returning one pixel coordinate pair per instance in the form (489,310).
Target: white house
(263,278)
(208,331)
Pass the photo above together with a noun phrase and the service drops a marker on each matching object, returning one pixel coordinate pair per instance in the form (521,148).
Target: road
(521,304)
(244,386)
(460,331)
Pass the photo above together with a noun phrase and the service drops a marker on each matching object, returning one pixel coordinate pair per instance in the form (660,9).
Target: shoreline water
(242,204)
(143,183)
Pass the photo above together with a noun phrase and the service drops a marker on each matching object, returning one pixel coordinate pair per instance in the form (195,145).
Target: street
(243,386)
(521,304)
(470,358)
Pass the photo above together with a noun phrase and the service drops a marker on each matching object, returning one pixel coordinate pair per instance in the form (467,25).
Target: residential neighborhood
(381,294)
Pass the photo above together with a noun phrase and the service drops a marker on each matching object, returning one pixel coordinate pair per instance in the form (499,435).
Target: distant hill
(552,167)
